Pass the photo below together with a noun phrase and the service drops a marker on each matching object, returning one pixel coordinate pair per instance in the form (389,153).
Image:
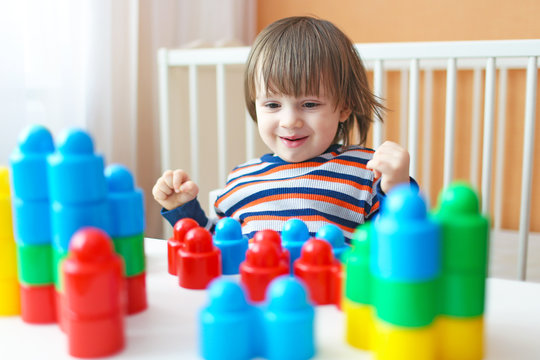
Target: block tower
(10,303)
(465,234)
(405,264)
(32,224)
(127,232)
(78,195)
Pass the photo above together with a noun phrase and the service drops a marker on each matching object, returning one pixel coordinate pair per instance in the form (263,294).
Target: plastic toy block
(404,343)
(59,255)
(460,338)
(10,302)
(289,320)
(227,323)
(29,166)
(465,232)
(232,244)
(94,293)
(6,217)
(66,219)
(38,304)
(334,235)
(136,293)
(76,173)
(199,261)
(318,269)
(61,311)
(263,264)
(125,202)
(180,229)
(406,304)
(359,324)
(131,248)
(32,221)
(274,237)
(462,295)
(358,281)
(35,264)
(293,235)
(407,245)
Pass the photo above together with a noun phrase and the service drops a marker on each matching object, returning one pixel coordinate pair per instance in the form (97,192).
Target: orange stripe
(311,177)
(321,198)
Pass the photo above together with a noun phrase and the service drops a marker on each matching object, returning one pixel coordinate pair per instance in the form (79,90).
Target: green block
(407,304)
(465,232)
(58,257)
(462,295)
(35,264)
(358,278)
(131,248)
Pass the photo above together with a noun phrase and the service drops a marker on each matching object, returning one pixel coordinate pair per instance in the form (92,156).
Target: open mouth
(293,141)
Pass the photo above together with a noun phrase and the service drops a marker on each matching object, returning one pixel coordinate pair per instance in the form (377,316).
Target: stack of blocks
(423,278)
(282,328)
(9,285)
(55,193)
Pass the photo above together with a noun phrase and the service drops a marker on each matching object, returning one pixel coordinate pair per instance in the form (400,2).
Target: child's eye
(311,105)
(272,105)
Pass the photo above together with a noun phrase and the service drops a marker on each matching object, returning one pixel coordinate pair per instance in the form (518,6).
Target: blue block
(29,164)
(32,220)
(293,236)
(233,245)
(67,219)
(288,321)
(334,235)
(406,246)
(126,204)
(227,324)
(75,171)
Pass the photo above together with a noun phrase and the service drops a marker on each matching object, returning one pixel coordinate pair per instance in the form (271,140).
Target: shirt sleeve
(191,209)
(380,196)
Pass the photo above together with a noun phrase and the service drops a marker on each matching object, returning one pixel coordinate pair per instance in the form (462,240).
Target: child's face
(298,128)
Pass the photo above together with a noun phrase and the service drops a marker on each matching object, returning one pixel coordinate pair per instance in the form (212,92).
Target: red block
(263,263)
(60,311)
(180,229)
(274,237)
(38,304)
(94,295)
(319,271)
(136,293)
(199,261)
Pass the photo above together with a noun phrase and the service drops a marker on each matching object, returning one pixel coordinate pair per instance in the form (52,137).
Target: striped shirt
(334,187)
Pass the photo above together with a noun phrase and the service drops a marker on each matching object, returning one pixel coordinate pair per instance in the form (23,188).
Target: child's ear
(344,114)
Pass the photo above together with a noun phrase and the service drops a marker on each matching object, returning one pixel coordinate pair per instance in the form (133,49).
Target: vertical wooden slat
(475,126)
(428,120)
(499,156)
(194,121)
(526,176)
(489,110)
(450,122)
(414,79)
(221,125)
(378,90)
(163,78)
(403,107)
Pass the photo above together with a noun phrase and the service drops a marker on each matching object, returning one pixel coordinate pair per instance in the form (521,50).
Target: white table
(168,328)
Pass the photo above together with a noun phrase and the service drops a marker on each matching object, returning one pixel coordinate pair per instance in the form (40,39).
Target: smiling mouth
(293,141)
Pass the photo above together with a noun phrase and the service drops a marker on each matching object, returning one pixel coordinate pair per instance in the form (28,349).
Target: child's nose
(290,120)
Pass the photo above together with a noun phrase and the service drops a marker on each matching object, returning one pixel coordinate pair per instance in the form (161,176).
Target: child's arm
(390,162)
(174,189)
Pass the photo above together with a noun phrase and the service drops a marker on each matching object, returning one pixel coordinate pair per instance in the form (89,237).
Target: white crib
(206,130)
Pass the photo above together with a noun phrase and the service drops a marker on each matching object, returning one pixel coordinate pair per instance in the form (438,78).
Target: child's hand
(174,189)
(390,161)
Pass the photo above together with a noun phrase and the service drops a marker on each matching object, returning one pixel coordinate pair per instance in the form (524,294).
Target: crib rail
(410,59)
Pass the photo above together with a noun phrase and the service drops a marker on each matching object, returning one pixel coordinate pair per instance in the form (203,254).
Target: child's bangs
(294,73)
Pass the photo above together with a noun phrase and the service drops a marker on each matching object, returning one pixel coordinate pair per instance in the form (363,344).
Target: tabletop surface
(168,328)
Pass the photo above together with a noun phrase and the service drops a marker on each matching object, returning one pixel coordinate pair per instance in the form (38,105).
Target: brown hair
(295,55)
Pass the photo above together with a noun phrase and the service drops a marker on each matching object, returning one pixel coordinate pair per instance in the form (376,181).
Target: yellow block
(359,324)
(460,338)
(404,343)
(9,284)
